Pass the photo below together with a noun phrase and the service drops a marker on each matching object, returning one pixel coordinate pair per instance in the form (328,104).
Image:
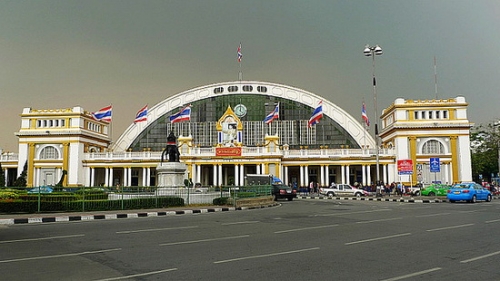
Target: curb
(142,214)
(410,200)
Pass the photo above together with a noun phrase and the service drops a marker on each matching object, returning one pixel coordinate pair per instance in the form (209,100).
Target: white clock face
(240,110)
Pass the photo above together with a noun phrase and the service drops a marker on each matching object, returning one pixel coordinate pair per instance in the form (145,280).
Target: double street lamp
(372,51)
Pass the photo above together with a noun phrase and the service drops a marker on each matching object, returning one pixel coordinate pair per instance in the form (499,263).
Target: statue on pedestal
(171,149)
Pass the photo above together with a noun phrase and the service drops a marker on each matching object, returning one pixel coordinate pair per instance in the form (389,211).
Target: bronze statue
(171,149)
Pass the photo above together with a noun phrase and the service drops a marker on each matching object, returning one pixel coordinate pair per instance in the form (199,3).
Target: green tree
(21,180)
(2,176)
(485,141)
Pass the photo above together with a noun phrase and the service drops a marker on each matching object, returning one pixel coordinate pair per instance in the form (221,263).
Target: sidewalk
(385,198)
(9,219)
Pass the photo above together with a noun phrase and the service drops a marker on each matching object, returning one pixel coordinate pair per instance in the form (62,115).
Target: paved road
(299,240)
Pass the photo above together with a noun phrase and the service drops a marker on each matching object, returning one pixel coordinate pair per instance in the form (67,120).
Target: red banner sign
(228,151)
(405,167)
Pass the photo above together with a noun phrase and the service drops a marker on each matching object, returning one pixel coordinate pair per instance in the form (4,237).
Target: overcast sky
(60,54)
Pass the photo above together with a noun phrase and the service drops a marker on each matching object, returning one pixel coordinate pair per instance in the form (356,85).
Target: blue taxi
(469,192)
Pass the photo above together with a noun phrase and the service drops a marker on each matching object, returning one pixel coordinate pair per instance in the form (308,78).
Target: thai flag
(142,115)
(103,114)
(364,116)
(317,114)
(183,115)
(275,114)
(240,55)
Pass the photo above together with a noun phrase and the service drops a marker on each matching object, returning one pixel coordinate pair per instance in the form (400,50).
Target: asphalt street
(299,240)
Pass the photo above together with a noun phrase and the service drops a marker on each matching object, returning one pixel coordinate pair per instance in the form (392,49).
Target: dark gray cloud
(58,54)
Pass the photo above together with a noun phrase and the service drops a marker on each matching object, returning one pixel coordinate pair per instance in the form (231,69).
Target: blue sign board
(435,166)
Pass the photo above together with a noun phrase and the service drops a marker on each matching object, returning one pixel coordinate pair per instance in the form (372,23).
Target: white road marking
(305,228)
(480,257)
(413,274)
(60,256)
(492,221)
(41,238)
(138,275)
(154,229)
(351,213)
(378,238)
(433,215)
(204,240)
(450,227)
(240,222)
(267,255)
(391,219)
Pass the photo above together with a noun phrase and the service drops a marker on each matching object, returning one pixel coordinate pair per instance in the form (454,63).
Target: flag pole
(111,126)
(240,55)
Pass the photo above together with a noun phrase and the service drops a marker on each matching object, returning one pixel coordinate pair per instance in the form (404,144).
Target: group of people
(397,188)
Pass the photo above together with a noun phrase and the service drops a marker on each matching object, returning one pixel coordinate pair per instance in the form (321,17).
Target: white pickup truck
(344,190)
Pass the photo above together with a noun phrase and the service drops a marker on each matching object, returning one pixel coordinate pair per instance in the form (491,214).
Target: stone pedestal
(171,174)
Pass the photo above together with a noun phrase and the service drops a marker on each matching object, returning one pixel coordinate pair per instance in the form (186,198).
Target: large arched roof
(331,110)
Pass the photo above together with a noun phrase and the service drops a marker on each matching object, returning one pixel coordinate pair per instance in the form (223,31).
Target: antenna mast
(435,78)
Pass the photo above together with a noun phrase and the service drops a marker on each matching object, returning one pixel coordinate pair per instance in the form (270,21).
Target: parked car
(343,189)
(41,189)
(470,192)
(435,190)
(415,190)
(283,191)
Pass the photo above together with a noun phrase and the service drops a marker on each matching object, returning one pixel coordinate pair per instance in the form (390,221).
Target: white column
(129,176)
(369,175)
(198,173)
(6,173)
(342,174)
(257,169)
(92,176)
(148,176)
(110,179)
(306,174)
(384,172)
(36,180)
(143,176)
(215,175)
(86,181)
(263,168)
(220,181)
(363,175)
(347,174)
(193,173)
(236,175)
(327,175)
(242,175)
(285,175)
(106,176)
(302,179)
(321,176)
(125,177)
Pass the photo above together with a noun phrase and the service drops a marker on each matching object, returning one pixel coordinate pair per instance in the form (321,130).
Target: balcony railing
(247,152)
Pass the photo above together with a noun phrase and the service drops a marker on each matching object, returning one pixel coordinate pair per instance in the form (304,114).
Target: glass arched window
(433,147)
(49,152)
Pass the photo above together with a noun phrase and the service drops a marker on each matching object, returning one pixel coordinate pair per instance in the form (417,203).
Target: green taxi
(435,190)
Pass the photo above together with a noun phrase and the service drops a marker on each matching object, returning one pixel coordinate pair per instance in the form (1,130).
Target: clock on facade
(240,110)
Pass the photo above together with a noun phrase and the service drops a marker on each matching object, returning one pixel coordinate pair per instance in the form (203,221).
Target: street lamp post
(497,125)
(372,51)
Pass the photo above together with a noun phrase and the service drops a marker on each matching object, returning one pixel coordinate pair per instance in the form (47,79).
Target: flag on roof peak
(240,55)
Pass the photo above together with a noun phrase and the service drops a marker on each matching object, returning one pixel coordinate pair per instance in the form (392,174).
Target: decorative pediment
(229,129)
